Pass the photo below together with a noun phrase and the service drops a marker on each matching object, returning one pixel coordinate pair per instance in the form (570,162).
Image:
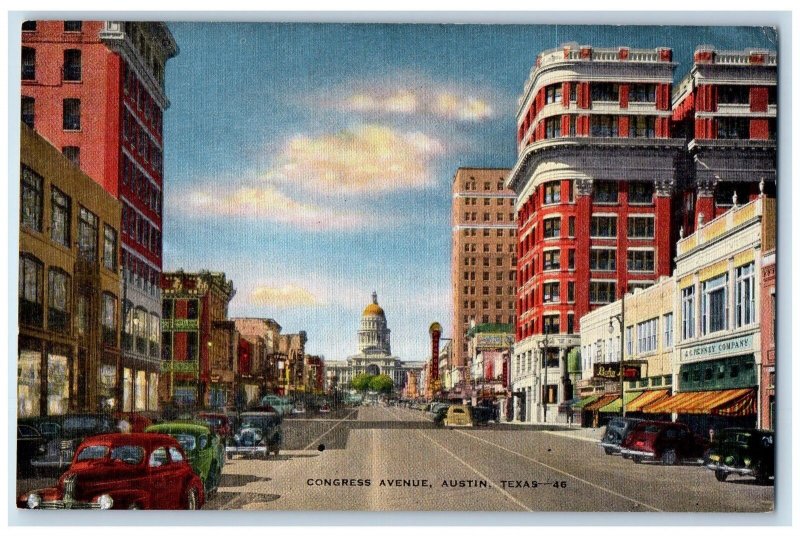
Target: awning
(600,403)
(644,399)
(616,404)
(741,402)
(585,401)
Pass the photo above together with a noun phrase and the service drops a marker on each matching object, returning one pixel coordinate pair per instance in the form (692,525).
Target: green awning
(585,401)
(616,404)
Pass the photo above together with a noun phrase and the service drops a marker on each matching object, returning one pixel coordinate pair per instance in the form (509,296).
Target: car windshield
(650,428)
(187,441)
(78,424)
(213,422)
(92,453)
(128,454)
(736,437)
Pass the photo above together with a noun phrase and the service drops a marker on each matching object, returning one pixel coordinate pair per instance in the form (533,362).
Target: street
(394,459)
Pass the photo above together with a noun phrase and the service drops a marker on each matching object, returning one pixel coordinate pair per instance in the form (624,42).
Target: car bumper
(729,469)
(245,449)
(613,447)
(458,424)
(638,453)
(51,463)
(61,504)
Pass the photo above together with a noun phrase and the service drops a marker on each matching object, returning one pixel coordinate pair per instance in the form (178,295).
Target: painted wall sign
(719,348)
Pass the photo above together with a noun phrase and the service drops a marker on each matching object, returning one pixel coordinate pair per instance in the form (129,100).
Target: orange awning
(603,401)
(741,402)
(646,398)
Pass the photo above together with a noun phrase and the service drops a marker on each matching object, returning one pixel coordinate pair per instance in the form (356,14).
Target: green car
(203,448)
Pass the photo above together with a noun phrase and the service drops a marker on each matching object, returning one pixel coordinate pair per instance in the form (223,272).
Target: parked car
(662,441)
(73,428)
(748,452)
(325,408)
(48,426)
(458,416)
(281,405)
(123,471)
(440,415)
(258,434)
(203,448)
(481,415)
(616,431)
(30,444)
(219,423)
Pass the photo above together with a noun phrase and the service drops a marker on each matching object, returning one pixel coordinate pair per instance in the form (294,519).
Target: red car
(123,471)
(662,441)
(218,422)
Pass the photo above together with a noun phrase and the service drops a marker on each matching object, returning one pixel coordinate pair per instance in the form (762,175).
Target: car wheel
(608,451)
(721,475)
(669,458)
(637,459)
(213,480)
(191,499)
(276,451)
(760,474)
(134,507)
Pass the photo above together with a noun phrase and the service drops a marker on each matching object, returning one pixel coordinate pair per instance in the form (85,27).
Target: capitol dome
(374,335)
(374,308)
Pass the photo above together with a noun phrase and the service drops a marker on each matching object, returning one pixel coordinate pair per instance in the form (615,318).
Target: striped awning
(600,403)
(616,405)
(585,401)
(741,402)
(646,398)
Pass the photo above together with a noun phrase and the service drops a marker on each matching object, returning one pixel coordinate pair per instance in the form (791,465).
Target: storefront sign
(493,341)
(179,325)
(611,371)
(719,348)
(179,367)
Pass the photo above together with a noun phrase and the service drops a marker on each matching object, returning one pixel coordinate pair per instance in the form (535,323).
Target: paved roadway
(493,468)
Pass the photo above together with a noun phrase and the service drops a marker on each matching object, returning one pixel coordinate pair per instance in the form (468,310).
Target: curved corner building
(596,217)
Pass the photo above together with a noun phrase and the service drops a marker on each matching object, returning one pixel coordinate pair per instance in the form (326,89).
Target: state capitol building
(374,355)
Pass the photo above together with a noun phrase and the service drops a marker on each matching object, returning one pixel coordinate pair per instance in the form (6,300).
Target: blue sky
(312,163)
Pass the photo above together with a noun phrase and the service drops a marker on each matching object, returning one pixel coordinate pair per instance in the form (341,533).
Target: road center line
(465,463)
(604,489)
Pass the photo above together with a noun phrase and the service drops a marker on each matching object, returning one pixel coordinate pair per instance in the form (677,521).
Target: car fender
(194,481)
(47,494)
(125,497)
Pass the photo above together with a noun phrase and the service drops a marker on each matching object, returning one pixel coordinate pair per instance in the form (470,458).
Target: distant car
(258,434)
(670,443)
(299,409)
(30,444)
(325,408)
(281,405)
(458,416)
(441,413)
(482,415)
(616,431)
(218,422)
(73,429)
(749,452)
(203,448)
(133,422)
(123,471)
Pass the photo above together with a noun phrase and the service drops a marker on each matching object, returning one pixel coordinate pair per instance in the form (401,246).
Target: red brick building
(95,90)
(726,110)
(594,180)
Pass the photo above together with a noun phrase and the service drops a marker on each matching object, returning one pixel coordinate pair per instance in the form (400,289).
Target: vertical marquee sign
(436,333)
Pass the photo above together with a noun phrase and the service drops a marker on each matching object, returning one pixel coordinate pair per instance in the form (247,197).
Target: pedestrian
(711,434)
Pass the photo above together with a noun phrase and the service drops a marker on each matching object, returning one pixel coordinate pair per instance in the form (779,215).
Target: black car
(481,415)
(257,434)
(616,431)
(72,429)
(749,452)
(439,415)
(30,444)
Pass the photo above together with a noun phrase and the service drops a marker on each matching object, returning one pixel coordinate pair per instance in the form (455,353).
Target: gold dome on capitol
(374,308)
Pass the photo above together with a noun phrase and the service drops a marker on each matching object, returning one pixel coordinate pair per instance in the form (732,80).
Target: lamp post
(543,346)
(281,365)
(620,318)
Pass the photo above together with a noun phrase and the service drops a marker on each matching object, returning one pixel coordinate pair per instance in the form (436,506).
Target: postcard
(396,267)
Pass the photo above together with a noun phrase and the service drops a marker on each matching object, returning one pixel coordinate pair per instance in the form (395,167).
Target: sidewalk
(587,434)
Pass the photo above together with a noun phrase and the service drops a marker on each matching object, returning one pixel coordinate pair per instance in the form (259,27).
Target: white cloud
(369,159)
(425,100)
(286,296)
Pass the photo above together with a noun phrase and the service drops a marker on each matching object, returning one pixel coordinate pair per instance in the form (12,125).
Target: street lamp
(543,346)
(620,318)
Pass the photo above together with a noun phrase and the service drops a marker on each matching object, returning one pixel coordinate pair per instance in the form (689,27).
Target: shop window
(31,200)
(606,192)
(57,383)
(603,226)
(29,378)
(58,300)
(602,259)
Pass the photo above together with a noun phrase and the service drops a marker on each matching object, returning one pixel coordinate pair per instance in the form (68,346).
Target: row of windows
(498,304)
(70,116)
(70,69)
(602,126)
(487,185)
(499,275)
(69,26)
(487,217)
(737,94)
(486,318)
(61,206)
(498,290)
(140,229)
(138,95)
(141,186)
(488,232)
(488,201)
(714,305)
(605,259)
(471,261)
(551,324)
(139,274)
(140,141)
(473,247)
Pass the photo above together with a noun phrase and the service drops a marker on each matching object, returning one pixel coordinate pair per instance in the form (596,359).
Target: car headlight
(34,500)
(747,462)
(105,501)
